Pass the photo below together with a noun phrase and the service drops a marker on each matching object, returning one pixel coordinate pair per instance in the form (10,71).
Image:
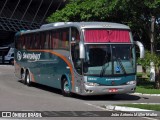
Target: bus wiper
(104,67)
(120,62)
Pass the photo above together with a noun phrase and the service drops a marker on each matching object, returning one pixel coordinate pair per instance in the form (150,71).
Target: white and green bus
(86,58)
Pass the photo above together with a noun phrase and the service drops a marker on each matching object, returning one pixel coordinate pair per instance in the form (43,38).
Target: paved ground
(15,96)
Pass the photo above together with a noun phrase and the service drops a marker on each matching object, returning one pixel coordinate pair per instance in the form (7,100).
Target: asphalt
(127,109)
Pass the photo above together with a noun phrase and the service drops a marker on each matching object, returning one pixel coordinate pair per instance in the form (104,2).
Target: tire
(27,79)
(23,76)
(65,88)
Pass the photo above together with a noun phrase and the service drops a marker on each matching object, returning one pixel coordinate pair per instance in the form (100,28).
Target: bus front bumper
(103,90)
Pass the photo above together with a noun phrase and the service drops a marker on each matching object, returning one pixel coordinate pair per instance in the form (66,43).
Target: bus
(85,58)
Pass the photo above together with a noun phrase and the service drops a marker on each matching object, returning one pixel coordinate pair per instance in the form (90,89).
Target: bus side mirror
(141,48)
(82,50)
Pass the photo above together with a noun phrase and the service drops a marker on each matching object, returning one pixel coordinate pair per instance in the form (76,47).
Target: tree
(146,62)
(135,13)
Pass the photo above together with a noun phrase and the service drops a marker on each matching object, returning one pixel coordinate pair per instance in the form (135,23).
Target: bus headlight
(91,84)
(131,82)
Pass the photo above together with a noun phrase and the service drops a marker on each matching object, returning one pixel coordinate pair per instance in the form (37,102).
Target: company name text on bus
(28,56)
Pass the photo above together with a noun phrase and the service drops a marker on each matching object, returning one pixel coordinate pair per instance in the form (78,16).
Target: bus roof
(79,25)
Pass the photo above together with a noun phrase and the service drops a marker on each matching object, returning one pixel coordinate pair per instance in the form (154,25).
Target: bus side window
(32,41)
(65,38)
(22,42)
(49,40)
(42,40)
(52,39)
(37,44)
(27,41)
(46,43)
(75,35)
(56,40)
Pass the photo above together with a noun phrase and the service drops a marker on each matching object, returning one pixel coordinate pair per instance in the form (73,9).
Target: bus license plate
(113,90)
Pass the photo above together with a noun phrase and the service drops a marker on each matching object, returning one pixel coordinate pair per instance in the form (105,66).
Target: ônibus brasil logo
(28,56)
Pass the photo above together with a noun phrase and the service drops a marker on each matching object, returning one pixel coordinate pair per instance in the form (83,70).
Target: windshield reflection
(103,60)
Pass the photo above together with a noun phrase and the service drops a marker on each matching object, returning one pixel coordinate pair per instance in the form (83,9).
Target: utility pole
(152,66)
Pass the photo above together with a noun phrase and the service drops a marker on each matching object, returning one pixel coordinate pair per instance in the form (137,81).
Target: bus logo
(31,56)
(19,55)
(28,56)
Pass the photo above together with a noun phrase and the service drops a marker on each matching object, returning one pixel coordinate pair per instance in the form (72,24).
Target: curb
(146,94)
(121,108)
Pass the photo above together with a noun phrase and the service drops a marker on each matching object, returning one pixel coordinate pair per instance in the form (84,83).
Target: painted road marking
(148,118)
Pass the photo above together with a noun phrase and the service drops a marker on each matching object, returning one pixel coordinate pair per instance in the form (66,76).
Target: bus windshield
(109,59)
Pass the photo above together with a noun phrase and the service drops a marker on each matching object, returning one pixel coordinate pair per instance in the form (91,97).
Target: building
(16,15)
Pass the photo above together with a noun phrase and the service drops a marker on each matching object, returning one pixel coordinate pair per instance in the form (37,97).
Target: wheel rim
(66,86)
(28,79)
(22,76)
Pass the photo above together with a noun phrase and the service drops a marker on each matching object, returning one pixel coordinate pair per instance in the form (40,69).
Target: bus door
(75,39)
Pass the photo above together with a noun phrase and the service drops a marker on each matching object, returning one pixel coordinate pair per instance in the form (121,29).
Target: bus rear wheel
(27,79)
(65,88)
(23,76)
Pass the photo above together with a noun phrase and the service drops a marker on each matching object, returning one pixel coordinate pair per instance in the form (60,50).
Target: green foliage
(148,58)
(80,10)
(106,10)
(135,13)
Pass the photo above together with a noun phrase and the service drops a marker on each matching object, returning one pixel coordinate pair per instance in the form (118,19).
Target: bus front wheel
(27,79)
(65,88)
